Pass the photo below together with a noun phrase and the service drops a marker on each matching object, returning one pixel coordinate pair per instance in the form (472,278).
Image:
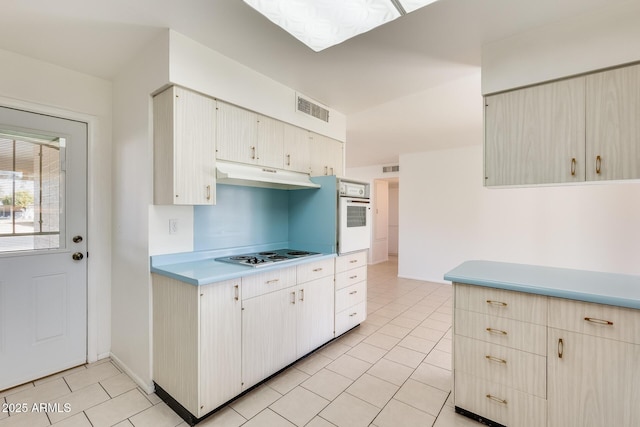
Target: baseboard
(147,388)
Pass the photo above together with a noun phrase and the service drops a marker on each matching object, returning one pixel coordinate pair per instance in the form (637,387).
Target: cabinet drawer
(350,277)
(351,261)
(269,281)
(347,319)
(499,330)
(499,403)
(314,270)
(498,302)
(617,323)
(350,296)
(517,369)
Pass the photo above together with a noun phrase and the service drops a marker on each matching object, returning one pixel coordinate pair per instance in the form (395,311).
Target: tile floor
(392,371)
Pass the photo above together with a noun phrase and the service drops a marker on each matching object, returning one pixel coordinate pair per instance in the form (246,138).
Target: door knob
(77,239)
(77,256)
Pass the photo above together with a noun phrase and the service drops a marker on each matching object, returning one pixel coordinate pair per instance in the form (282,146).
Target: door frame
(94,234)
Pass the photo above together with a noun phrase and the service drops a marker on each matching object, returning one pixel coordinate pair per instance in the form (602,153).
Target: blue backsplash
(254,216)
(242,216)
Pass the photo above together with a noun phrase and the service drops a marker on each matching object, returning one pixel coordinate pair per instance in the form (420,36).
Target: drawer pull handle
(560,348)
(317,269)
(598,321)
(353,277)
(497,303)
(598,164)
(353,261)
(293,297)
(496,399)
(353,292)
(496,331)
(495,359)
(301,294)
(353,314)
(236,290)
(272,281)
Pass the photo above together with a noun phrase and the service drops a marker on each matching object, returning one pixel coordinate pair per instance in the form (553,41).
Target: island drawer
(499,403)
(499,302)
(268,281)
(606,321)
(502,331)
(352,316)
(517,369)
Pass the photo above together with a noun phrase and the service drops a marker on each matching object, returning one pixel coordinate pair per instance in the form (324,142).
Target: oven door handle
(364,202)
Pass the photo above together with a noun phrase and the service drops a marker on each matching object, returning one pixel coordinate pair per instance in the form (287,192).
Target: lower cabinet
(587,374)
(281,326)
(196,342)
(351,291)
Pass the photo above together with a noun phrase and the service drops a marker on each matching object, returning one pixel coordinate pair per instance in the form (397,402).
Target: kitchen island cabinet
(184,141)
(590,320)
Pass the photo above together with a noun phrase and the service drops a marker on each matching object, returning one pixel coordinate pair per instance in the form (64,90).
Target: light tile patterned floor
(392,371)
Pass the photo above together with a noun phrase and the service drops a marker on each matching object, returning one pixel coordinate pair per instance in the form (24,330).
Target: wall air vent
(311,108)
(387,169)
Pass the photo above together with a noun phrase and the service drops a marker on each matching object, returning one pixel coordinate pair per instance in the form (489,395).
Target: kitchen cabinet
(536,135)
(544,346)
(247,137)
(500,355)
(350,291)
(613,125)
(297,149)
(197,342)
(184,140)
(594,377)
(237,134)
(315,305)
(327,156)
(285,319)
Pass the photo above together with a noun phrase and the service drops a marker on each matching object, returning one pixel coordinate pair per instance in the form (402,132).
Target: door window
(31,192)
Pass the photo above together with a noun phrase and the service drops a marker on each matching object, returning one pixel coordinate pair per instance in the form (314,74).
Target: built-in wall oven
(354,216)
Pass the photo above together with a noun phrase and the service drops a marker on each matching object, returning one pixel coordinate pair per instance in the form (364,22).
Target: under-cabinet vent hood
(260,176)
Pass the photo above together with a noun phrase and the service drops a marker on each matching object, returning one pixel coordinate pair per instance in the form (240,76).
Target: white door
(43,266)
(381,221)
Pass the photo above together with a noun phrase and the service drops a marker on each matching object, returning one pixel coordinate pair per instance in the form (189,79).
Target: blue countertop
(201,268)
(603,288)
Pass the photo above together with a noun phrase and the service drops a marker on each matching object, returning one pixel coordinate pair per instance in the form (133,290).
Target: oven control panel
(354,189)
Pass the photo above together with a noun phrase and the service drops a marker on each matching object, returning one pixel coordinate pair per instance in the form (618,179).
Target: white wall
(132,198)
(45,88)
(591,41)
(447,217)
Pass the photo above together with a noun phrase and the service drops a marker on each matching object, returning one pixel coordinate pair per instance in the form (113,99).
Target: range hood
(261,176)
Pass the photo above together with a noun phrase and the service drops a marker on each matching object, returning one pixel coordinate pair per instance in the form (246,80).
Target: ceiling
(408,86)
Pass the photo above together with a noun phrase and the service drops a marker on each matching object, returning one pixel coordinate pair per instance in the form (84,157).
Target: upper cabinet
(184,136)
(583,128)
(297,149)
(613,124)
(270,142)
(327,156)
(237,136)
(535,135)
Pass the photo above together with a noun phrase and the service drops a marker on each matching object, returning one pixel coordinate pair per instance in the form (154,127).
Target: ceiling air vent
(311,108)
(386,169)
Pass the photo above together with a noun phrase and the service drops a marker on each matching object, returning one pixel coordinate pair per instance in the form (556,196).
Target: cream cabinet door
(270,142)
(592,381)
(184,140)
(315,314)
(268,334)
(237,134)
(326,156)
(220,344)
(297,149)
(613,124)
(536,135)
